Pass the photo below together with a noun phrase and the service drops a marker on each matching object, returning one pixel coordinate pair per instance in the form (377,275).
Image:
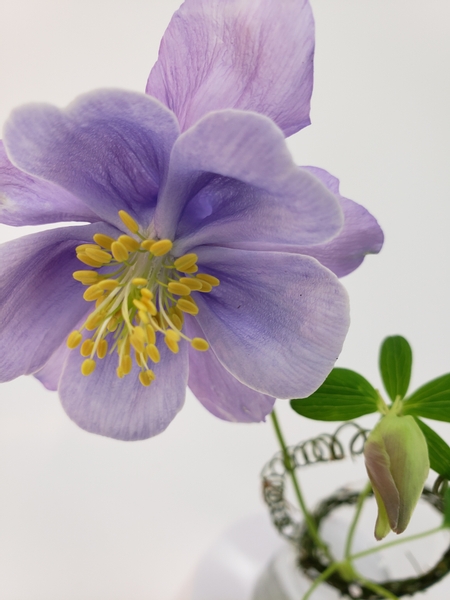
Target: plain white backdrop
(89,518)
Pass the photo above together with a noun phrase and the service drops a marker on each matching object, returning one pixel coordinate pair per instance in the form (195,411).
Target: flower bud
(396,455)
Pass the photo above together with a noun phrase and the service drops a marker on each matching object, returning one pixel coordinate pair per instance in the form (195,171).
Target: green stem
(322,577)
(351,532)
(291,470)
(377,588)
(410,538)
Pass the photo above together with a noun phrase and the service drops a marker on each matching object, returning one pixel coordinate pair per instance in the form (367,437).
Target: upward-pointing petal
(248,54)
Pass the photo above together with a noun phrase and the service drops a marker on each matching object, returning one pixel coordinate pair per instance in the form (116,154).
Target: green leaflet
(395,365)
(432,400)
(343,396)
(438,450)
(446,522)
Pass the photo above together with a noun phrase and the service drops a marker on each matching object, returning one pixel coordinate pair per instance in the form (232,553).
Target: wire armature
(324,448)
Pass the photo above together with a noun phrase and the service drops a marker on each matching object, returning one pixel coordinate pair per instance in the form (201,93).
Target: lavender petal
(276,322)
(248,54)
(110,148)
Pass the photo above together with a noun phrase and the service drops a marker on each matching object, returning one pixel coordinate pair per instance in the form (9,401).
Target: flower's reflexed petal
(27,200)
(232,177)
(360,235)
(277,321)
(51,372)
(123,408)
(110,148)
(248,54)
(219,392)
(40,300)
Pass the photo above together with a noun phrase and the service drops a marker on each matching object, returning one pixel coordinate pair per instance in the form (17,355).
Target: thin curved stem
(377,588)
(291,470)
(351,532)
(321,579)
(410,538)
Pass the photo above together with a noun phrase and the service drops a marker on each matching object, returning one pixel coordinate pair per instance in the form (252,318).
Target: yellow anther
(147,293)
(119,372)
(85,277)
(147,245)
(191,270)
(128,221)
(108,284)
(87,260)
(208,278)
(199,344)
(130,243)
(206,287)
(157,320)
(140,305)
(102,348)
(139,332)
(103,240)
(193,284)
(139,281)
(143,317)
(93,321)
(83,247)
(179,289)
(125,346)
(176,321)
(119,252)
(140,359)
(137,344)
(161,247)
(126,364)
(151,335)
(185,261)
(149,306)
(137,339)
(86,347)
(187,306)
(172,335)
(146,377)
(99,255)
(113,323)
(88,366)
(99,301)
(153,353)
(171,344)
(92,293)
(74,339)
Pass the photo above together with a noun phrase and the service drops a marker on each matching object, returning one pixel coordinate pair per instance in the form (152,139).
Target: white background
(89,518)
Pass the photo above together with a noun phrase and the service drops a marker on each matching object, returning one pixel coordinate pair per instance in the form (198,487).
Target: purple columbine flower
(201,259)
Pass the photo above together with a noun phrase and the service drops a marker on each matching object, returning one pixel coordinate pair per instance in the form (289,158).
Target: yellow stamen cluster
(141,293)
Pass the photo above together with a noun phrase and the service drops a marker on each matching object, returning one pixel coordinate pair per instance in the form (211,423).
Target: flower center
(141,298)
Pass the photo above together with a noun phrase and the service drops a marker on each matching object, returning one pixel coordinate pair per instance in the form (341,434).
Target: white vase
(283,579)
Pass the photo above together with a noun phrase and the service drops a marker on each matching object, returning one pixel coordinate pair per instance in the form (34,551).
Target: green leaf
(432,400)
(446,522)
(438,450)
(395,365)
(343,396)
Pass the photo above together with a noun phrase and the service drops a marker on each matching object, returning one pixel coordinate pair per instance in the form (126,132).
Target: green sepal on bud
(397,462)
